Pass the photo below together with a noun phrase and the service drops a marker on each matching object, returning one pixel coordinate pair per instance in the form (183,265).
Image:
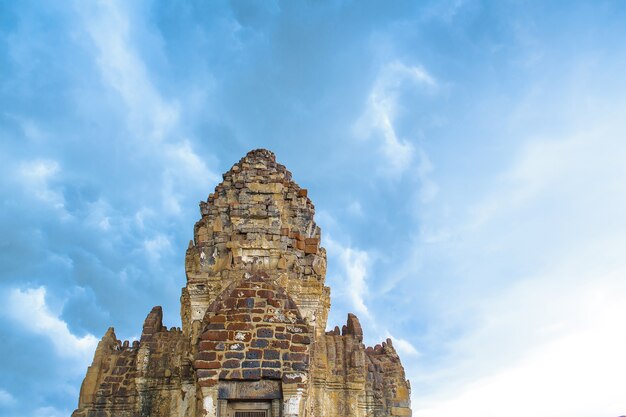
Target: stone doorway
(249,398)
(249,409)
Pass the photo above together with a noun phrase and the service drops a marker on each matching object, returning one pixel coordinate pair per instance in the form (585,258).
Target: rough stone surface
(254,314)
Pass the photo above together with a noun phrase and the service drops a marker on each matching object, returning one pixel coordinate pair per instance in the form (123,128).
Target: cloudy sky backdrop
(466,159)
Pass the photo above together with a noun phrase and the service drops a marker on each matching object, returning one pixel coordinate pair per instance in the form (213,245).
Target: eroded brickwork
(254,314)
(255,332)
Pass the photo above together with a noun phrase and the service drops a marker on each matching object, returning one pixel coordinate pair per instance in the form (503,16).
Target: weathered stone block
(251,373)
(254,354)
(231,363)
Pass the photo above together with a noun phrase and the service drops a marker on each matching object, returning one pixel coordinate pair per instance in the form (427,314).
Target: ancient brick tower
(254,310)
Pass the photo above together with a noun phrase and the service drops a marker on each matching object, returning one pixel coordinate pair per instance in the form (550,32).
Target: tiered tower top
(257,220)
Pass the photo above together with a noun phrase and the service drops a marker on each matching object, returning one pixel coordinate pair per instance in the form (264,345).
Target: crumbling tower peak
(261,153)
(259,159)
(257,220)
(261,165)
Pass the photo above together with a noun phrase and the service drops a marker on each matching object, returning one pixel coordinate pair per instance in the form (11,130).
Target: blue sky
(466,160)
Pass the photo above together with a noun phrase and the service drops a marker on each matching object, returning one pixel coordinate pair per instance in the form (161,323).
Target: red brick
(207,365)
(297,357)
(215,335)
(301,339)
(298,348)
(218,319)
(280,344)
(239,326)
(241,317)
(267,294)
(207,382)
(231,363)
(206,356)
(243,293)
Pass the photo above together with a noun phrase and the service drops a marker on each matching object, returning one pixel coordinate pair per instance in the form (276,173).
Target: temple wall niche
(254,331)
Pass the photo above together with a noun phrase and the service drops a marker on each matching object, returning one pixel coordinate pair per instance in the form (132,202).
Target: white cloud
(29,309)
(6,398)
(99,215)
(151,117)
(381,110)
(428,188)
(355,263)
(403,346)
(540,287)
(109,28)
(185,169)
(156,246)
(50,412)
(355,209)
(36,175)
(572,358)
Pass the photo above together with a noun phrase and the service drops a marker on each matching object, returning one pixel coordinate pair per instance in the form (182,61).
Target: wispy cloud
(6,398)
(36,177)
(403,346)
(382,107)
(559,352)
(156,246)
(541,267)
(427,190)
(355,209)
(354,264)
(109,27)
(50,412)
(153,119)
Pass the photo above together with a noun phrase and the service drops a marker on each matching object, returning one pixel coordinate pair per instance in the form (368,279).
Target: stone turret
(254,312)
(258,219)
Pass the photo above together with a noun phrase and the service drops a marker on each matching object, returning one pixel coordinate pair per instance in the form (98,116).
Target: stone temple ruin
(253,341)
